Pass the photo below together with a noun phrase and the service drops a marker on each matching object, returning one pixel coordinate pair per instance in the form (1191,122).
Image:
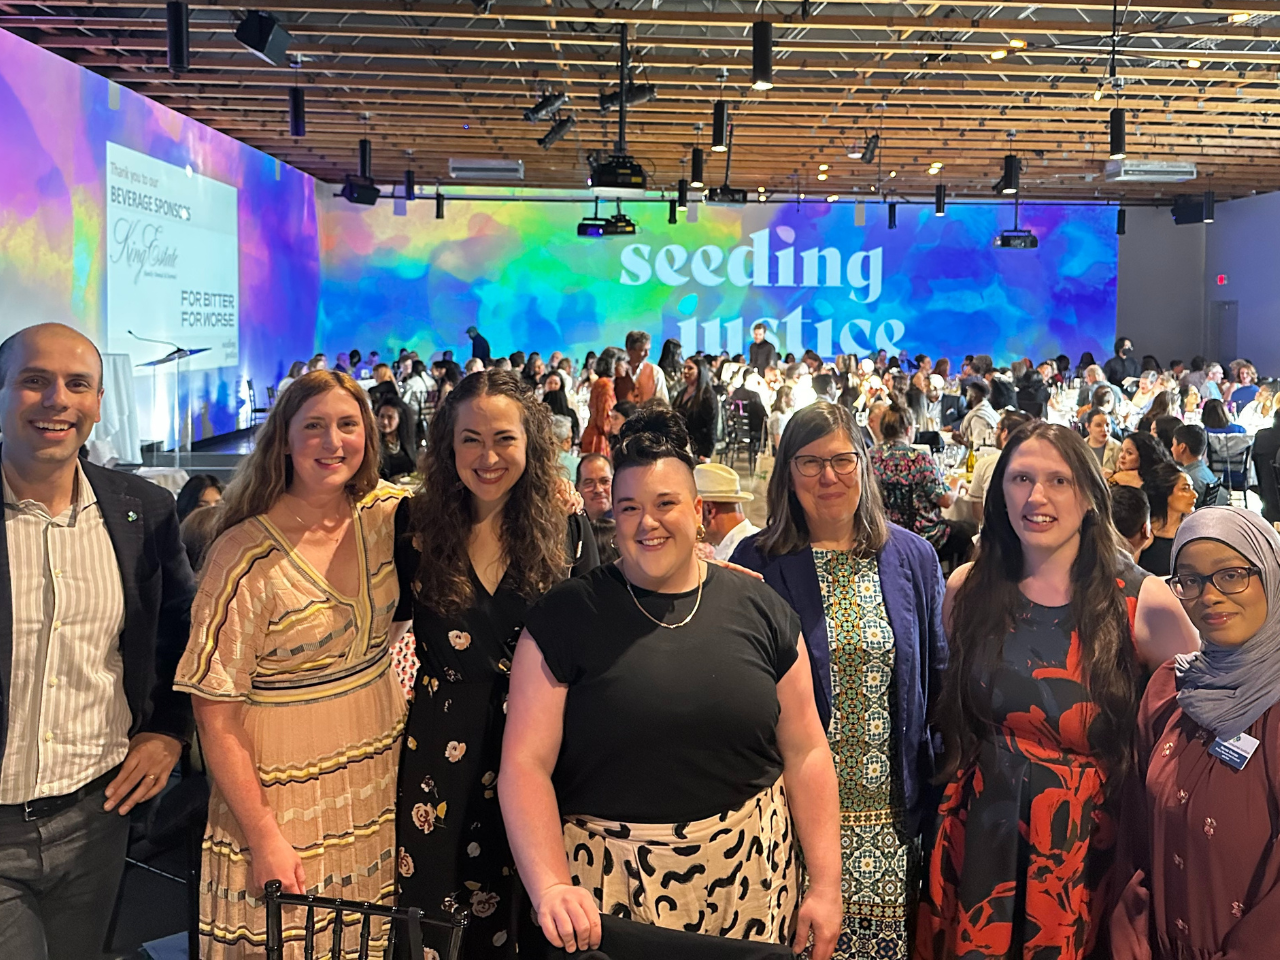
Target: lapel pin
(131,516)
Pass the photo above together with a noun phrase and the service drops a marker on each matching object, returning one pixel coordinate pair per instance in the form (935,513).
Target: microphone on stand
(166,343)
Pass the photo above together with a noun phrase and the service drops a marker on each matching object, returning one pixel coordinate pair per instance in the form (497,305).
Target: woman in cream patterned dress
(300,715)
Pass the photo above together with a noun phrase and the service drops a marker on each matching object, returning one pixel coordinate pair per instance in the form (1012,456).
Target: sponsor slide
(172,261)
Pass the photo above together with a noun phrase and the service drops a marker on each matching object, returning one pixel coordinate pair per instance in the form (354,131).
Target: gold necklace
(319,527)
(668,626)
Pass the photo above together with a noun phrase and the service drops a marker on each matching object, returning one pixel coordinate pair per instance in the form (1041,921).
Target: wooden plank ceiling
(1197,77)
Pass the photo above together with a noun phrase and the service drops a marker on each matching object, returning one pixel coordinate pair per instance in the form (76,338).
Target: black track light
(1117,133)
(720,127)
(869,152)
(762,55)
(546,107)
(637,93)
(439,206)
(1208,206)
(671,212)
(297,112)
(682,195)
(410,188)
(556,133)
(893,216)
(179,36)
(939,200)
(1012,170)
(696,163)
(1120,218)
(366,159)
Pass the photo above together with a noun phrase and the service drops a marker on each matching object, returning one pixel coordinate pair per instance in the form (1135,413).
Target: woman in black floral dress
(482,539)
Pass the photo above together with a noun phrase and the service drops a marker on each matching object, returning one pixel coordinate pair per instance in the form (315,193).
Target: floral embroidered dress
(912,484)
(452,843)
(1025,840)
(879,873)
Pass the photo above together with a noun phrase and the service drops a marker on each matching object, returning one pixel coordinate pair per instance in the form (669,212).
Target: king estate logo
(757,265)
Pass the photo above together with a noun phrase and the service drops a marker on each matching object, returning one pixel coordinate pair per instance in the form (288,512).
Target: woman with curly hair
(482,539)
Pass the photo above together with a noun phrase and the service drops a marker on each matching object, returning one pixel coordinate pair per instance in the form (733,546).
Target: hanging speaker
(410,188)
(366,159)
(297,112)
(179,36)
(262,34)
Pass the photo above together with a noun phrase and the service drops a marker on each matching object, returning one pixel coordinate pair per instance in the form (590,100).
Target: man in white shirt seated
(722,499)
(976,495)
(979,425)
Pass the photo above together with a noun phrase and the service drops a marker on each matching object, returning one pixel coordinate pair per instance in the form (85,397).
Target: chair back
(1209,497)
(410,918)
(1229,457)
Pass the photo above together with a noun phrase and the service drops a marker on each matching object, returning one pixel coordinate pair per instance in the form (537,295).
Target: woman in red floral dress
(1050,629)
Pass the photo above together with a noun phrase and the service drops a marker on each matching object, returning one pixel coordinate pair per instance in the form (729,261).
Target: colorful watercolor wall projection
(56,246)
(519,273)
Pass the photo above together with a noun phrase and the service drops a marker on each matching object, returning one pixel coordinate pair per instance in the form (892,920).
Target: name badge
(1234,752)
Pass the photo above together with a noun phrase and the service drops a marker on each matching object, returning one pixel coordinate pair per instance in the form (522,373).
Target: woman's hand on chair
(569,917)
(275,859)
(819,917)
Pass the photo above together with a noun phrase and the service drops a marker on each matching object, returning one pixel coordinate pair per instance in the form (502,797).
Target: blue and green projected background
(519,273)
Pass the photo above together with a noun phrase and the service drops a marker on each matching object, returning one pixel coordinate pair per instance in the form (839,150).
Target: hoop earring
(702,532)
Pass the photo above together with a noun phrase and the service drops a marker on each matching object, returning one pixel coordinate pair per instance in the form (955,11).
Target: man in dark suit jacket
(97,592)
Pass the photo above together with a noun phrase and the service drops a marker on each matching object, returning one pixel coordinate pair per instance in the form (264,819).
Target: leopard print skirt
(734,875)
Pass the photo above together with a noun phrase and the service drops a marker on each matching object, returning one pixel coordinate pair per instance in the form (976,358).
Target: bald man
(97,593)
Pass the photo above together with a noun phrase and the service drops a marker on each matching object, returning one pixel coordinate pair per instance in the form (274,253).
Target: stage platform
(218,455)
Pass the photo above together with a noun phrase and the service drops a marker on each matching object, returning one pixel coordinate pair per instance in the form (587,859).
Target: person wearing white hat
(722,499)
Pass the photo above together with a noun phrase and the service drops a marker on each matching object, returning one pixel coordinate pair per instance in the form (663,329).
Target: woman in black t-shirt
(658,707)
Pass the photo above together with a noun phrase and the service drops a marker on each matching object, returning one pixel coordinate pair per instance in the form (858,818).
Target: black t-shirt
(665,726)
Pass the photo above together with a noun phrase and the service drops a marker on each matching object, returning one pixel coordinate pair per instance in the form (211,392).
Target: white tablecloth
(117,435)
(172,479)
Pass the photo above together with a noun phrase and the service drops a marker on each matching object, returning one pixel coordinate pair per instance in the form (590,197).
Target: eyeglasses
(1228,580)
(592,484)
(841,463)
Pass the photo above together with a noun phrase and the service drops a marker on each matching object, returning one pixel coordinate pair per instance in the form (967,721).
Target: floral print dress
(879,869)
(1025,843)
(452,844)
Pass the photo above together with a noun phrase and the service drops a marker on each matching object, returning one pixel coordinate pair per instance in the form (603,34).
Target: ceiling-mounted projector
(619,225)
(726,196)
(1016,240)
(618,176)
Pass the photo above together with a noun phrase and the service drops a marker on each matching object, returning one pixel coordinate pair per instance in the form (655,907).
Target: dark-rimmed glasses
(842,463)
(1228,580)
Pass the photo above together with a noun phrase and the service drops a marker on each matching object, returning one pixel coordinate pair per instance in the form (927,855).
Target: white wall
(1243,243)
(1160,287)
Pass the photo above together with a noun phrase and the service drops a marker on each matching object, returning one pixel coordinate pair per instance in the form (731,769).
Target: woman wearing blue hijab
(1205,878)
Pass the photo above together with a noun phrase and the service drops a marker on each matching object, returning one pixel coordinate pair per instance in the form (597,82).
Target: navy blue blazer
(912,585)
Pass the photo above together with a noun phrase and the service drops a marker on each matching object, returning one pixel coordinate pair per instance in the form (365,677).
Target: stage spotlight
(939,200)
(855,153)
(556,133)
(1194,64)
(832,198)
(1097,94)
(546,107)
(1120,218)
(822,176)
(869,153)
(1239,17)
(179,36)
(893,216)
(1117,133)
(682,195)
(410,188)
(366,160)
(1018,44)
(439,206)
(671,212)
(762,55)
(999,54)
(262,35)
(637,93)
(297,112)
(720,127)
(696,163)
